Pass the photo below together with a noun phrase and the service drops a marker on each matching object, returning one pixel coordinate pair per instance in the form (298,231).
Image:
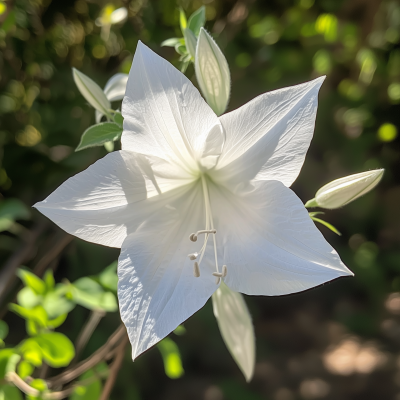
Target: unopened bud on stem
(344,190)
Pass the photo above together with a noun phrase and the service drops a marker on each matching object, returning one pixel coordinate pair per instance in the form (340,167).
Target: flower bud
(344,190)
(212,73)
(91,91)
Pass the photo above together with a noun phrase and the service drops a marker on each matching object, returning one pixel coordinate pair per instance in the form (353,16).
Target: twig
(12,377)
(115,367)
(23,254)
(94,359)
(86,333)
(54,252)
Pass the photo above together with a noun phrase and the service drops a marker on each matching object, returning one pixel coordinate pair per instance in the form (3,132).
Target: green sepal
(311,203)
(197,20)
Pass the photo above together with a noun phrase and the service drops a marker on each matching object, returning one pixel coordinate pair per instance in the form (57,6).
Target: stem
(86,333)
(90,362)
(115,367)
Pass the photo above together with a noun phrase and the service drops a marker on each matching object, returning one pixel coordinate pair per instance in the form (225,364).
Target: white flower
(342,191)
(192,194)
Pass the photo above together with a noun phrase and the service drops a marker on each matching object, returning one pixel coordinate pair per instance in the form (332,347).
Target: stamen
(224,271)
(193,256)
(217,281)
(193,236)
(196,270)
(217,274)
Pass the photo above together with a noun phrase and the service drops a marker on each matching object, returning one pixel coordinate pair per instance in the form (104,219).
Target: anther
(196,270)
(218,274)
(217,280)
(193,236)
(193,256)
(224,271)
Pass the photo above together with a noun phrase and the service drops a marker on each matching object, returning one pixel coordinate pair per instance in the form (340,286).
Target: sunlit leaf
(172,42)
(57,304)
(182,20)
(48,279)
(197,20)
(99,134)
(37,313)
(31,351)
(180,330)
(57,349)
(90,294)
(171,358)
(25,369)
(5,355)
(31,280)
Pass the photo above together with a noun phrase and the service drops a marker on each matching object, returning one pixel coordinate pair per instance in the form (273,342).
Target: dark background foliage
(337,341)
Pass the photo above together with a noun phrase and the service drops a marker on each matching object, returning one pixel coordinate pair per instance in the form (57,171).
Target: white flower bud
(91,91)
(344,190)
(212,73)
(236,327)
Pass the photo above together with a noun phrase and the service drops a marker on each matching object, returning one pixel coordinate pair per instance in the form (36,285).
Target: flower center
(209,230)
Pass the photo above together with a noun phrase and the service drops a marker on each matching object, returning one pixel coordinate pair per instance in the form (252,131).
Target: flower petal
(270,245)
(164,114)
(267,138)
(157,290)
(111,198)
(234,321)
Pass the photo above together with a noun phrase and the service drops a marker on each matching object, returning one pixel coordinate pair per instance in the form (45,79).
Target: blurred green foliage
(268,45)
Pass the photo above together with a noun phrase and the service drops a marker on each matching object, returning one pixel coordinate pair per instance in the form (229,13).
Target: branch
(90,362)
(86,333)
(12,377)
(115,367)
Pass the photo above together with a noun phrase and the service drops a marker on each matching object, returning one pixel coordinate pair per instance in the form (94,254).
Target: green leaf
(90,294)
(31,352)
(56,304)
(327,224)
(49,280)
(191,42)
(93,390)
(39,384)
(10,211)
(5,355)
(56,322)
(109,278)
(91,91)
(182,19)
(9,392)
(3,330)
(57,349)
(25,369)
(27,298)
(172,42)
(171,358)
(99,134)
(36,314)
(197,20)
(119,119)
(31,280)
